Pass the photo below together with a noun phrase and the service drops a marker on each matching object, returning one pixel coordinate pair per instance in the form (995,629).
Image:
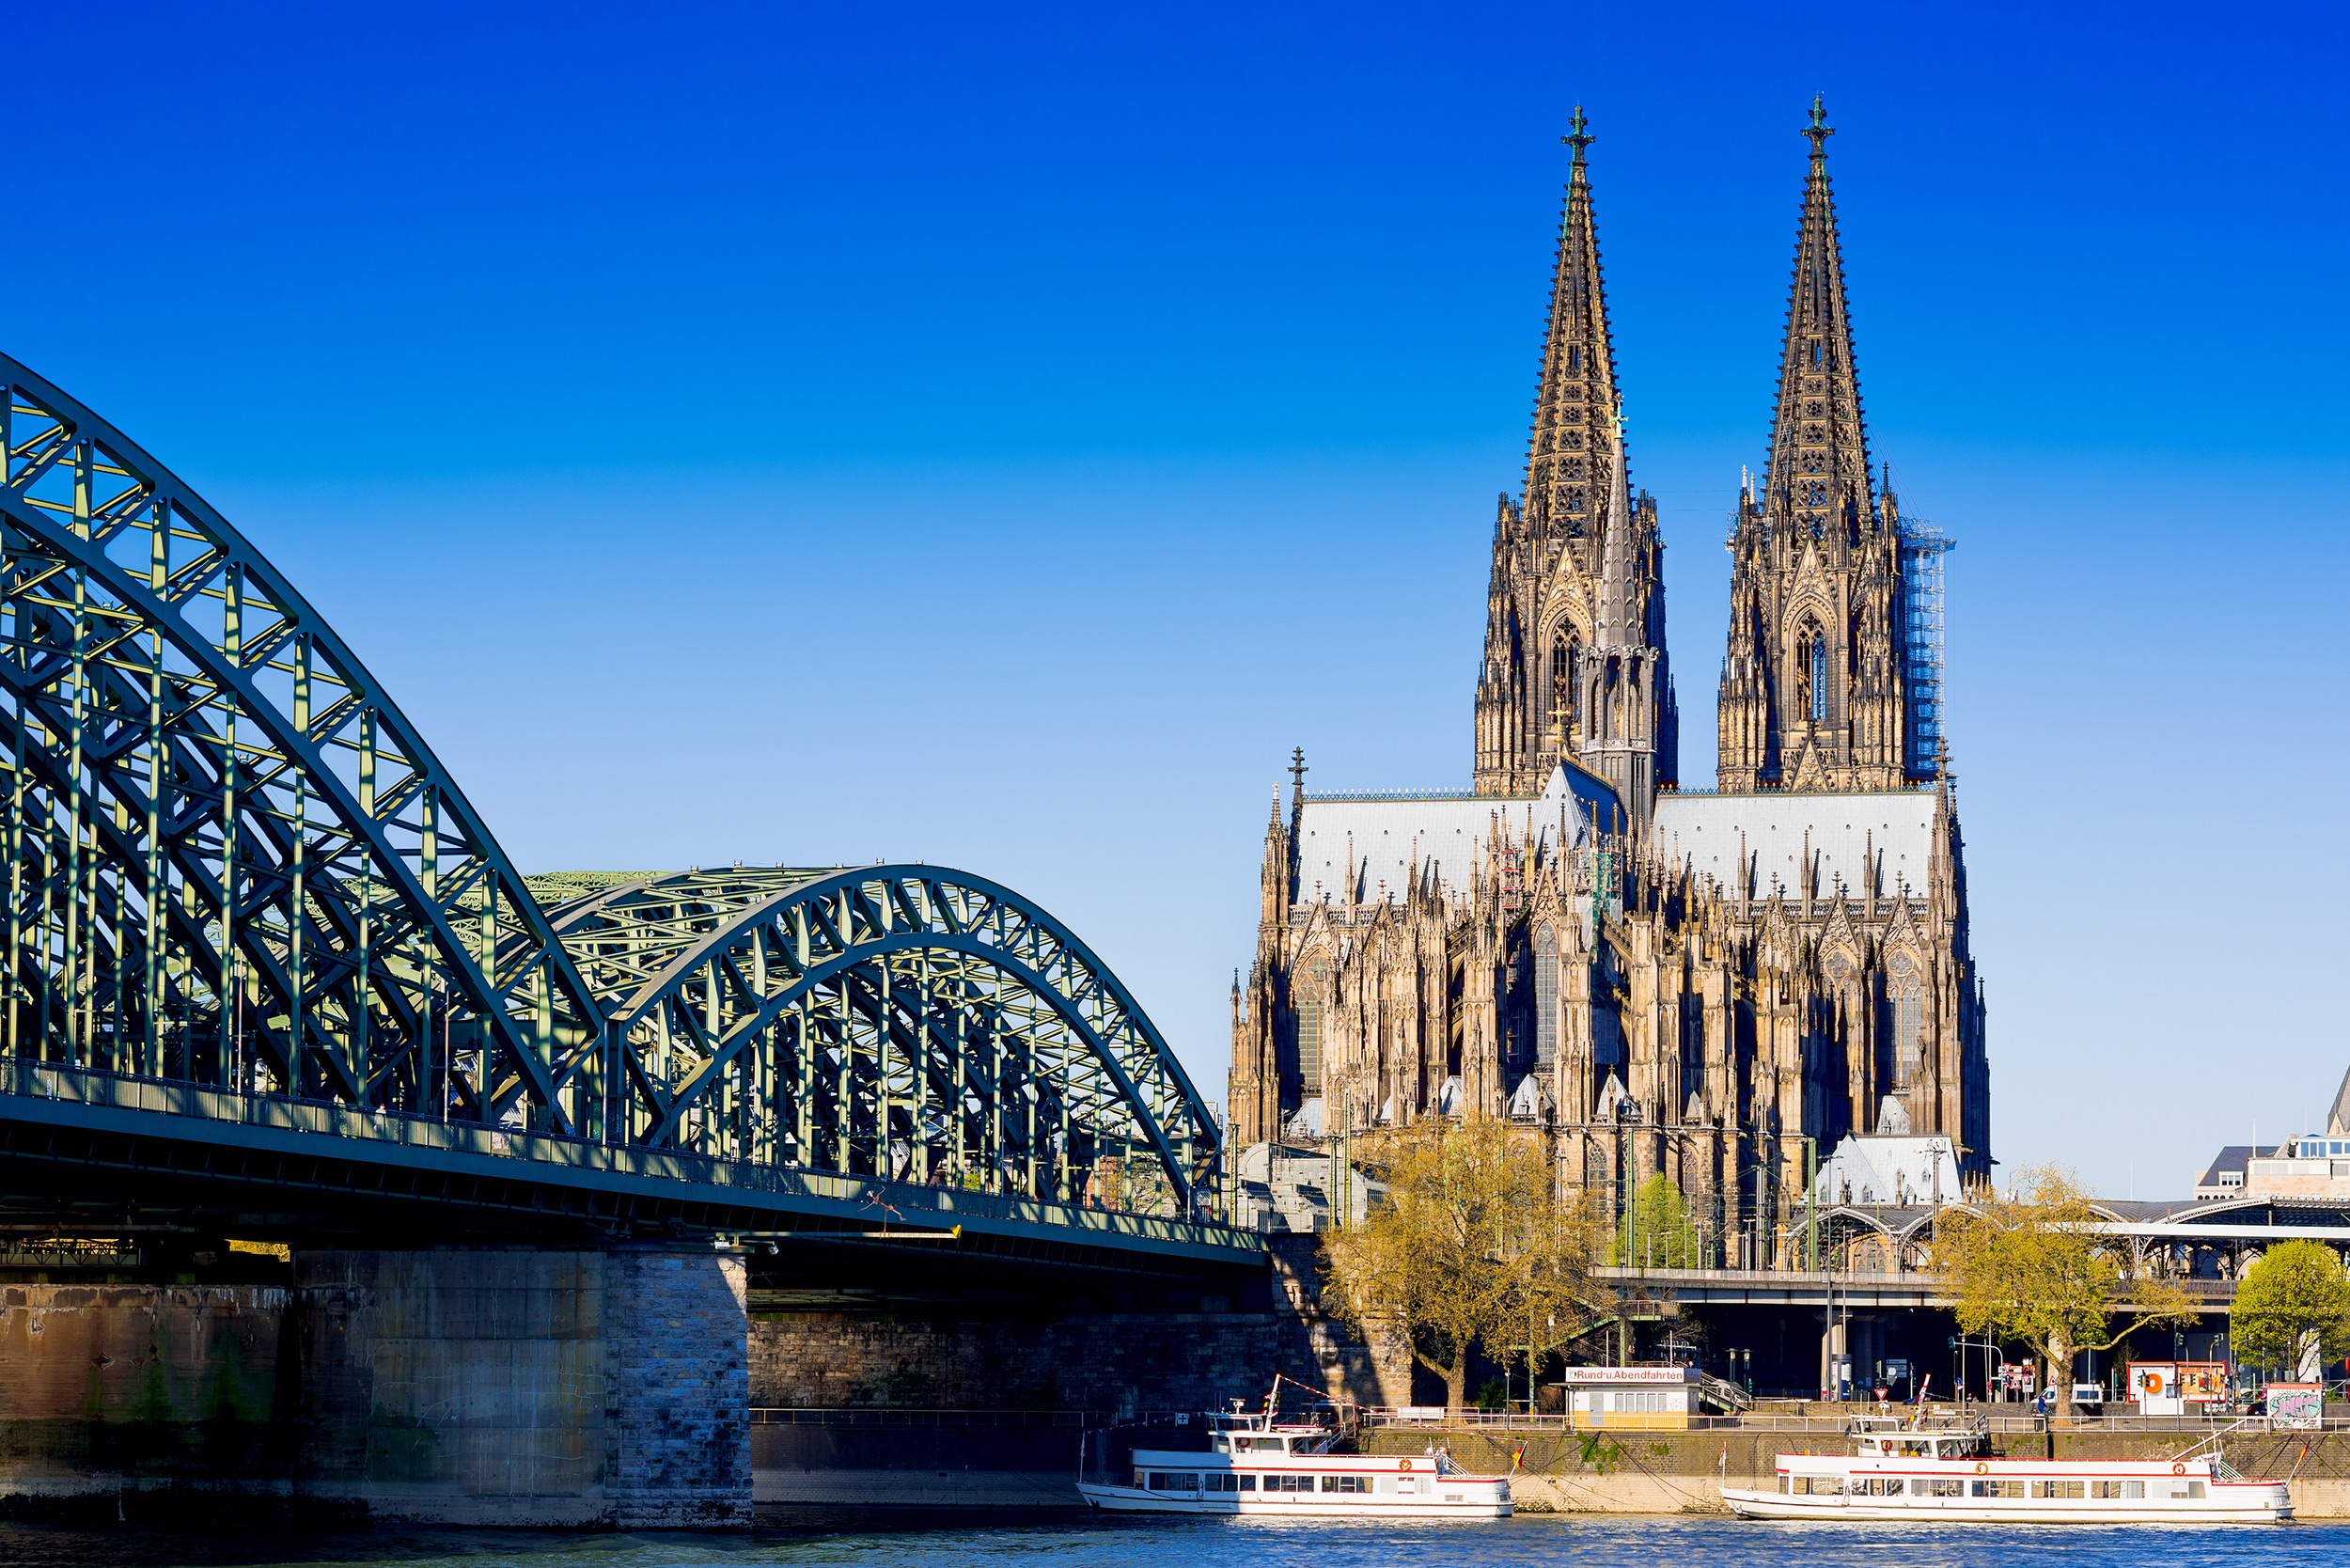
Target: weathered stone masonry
(1105,1361)
(496,1387)
(678,1425)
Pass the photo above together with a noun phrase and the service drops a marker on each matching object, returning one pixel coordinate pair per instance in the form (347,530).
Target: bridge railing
(887,1202)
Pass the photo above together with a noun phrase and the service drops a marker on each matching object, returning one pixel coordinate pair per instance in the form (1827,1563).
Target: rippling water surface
(817,1540)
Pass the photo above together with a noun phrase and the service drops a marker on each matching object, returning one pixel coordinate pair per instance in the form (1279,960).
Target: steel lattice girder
(902,1021)
(231,860)
(229,852)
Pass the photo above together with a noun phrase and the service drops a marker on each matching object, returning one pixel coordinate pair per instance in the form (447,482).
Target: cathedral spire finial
(1578,140)
(1819,130)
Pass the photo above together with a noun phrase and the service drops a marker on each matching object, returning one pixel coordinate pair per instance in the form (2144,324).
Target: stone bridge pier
(532,1386)
(591,1386)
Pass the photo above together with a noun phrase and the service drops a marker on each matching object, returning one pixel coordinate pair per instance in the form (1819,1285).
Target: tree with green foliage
(2292,1311)
(1472,1243)
(1658,1233)
(2034,1264)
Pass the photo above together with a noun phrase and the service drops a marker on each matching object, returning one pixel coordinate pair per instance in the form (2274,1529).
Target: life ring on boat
(1405,1465)
(2178,1468)
(1981,1468)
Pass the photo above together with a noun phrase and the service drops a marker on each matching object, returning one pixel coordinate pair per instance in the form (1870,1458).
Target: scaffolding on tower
(1923,547)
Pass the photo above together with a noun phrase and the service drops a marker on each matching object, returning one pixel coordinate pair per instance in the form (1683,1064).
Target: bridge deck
(1817,1288)
(273,1151)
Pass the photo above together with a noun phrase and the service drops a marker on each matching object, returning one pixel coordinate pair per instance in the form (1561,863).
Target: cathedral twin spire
(1812,688)
(1819,465)
(1575,475)
(1574,664)
(1815,686)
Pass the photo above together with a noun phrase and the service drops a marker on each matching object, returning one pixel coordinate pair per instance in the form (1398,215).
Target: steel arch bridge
(233,864)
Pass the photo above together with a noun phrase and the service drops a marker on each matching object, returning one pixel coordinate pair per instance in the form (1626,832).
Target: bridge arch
(231,860)
(901,1021)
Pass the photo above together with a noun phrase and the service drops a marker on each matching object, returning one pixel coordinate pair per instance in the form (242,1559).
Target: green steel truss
(905,1022)
(231,861)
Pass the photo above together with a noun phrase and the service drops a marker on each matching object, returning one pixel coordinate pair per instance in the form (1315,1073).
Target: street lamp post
(1960,1345)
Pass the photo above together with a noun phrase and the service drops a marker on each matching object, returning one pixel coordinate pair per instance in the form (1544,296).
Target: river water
(821,1540)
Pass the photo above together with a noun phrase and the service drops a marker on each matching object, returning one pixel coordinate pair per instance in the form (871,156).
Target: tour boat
(1909,1470)
(1256,1466)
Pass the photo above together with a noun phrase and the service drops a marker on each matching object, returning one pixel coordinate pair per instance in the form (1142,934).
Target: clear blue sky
(995,435)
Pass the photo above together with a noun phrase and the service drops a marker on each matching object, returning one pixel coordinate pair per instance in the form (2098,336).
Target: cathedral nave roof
(1448,831)
(1840,831)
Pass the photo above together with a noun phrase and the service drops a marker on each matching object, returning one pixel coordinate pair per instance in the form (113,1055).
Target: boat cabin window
(1261,1445)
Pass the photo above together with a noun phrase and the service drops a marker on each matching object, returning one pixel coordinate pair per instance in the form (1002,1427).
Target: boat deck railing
(1974,1417)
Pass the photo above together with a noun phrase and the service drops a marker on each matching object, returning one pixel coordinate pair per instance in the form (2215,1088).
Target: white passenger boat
(1912,1471)
(1257,1467)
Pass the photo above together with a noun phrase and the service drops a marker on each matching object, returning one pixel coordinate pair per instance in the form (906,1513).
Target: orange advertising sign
(2203,1380)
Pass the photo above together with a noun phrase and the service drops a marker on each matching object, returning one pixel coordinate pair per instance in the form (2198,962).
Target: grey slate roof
(2231,1159)
(1772,830)
(1448,834)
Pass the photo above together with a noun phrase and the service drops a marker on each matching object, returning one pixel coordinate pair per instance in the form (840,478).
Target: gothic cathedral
(1716,985)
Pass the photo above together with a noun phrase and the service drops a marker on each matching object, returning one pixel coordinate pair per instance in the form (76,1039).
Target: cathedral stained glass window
(1309,1024)
(1545,995)
(1909,1020)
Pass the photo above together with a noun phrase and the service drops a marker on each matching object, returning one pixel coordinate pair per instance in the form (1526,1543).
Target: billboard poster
(2203,1380)
(2301,1406)
(2155,1386)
